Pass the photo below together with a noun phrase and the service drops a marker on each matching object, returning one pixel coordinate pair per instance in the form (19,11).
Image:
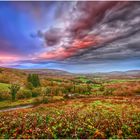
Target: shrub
(29,85)
(24,93)
(89,82)
(48,90)
(108,91)
(36,92)
(45,100)
(38,100)
(14,88)
(4,95)
(102,88)
(137,90)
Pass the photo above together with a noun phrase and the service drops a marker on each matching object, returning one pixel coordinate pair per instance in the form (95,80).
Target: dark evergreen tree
(34,80)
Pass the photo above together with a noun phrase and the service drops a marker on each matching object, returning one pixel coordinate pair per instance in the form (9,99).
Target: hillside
(8,75)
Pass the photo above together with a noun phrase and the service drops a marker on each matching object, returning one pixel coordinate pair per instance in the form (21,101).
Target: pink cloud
(8,59)
(63,53)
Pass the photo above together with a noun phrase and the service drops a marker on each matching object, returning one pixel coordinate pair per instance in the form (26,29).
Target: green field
(4,87)
(123,80)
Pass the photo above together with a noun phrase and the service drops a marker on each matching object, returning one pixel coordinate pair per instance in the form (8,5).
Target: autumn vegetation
(68,106)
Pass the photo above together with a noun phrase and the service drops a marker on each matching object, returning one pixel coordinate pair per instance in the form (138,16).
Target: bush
(102,88)
(108,91)
(14,88)
(89,82)
(29,85)
(45,100)
(4,95)
(48,91)
(24,93)
(38,100)
(36,92)
(137,90)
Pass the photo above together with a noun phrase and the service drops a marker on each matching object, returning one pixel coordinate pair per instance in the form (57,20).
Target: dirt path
(16,108)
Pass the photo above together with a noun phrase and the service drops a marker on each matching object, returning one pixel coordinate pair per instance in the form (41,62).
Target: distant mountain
(119,74)
(130,72)
(133,72)
(54,72)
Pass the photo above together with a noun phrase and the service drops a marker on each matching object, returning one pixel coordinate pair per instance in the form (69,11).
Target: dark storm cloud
(81,17)
(125,40)
(88,15)
(53,36)
(119,50)
(91,26)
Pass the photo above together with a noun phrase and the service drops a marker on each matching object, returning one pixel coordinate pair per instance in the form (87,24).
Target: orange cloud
(62,53)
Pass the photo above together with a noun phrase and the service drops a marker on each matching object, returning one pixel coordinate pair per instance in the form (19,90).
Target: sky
(76,36)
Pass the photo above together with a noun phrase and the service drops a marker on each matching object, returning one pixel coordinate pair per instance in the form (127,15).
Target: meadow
(68,106)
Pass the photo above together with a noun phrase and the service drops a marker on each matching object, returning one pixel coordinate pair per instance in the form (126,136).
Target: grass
(96,86)
(10,104)
(83,79)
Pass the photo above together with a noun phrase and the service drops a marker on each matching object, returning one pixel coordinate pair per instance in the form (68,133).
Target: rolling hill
(19,75)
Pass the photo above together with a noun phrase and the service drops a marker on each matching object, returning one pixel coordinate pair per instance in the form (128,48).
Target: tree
(89,82)
(34,80)
(14,88)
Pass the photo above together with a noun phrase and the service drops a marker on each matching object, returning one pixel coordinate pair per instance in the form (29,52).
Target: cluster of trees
(33,82)
(68,88)
(33,88)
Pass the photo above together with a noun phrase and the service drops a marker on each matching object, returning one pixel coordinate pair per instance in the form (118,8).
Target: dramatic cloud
(72,33)
(91,25)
